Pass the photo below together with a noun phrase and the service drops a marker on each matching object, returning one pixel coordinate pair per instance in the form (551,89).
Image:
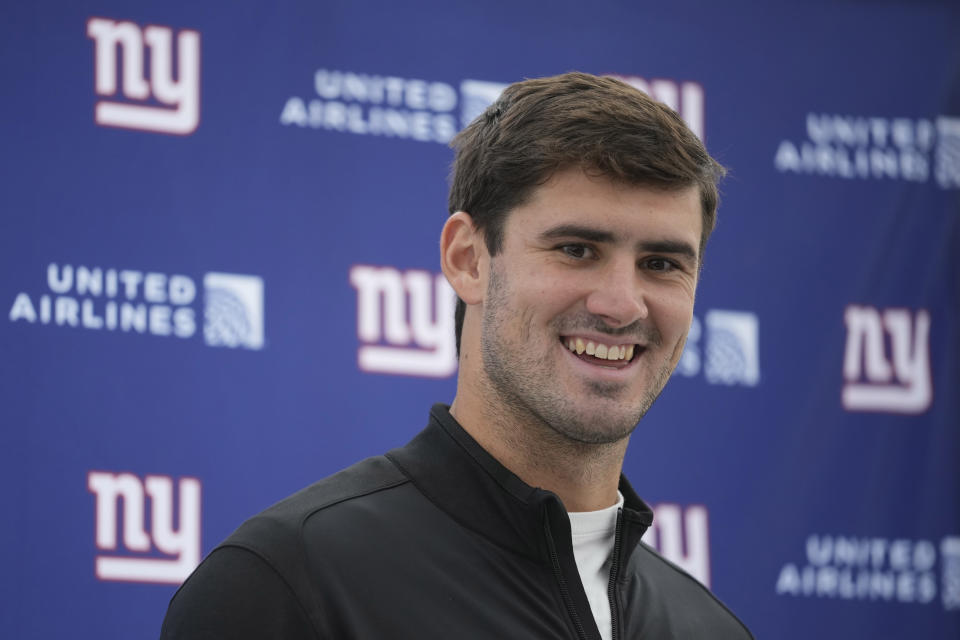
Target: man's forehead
(605,205)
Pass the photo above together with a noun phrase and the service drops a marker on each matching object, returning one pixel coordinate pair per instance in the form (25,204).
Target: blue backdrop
(218,257)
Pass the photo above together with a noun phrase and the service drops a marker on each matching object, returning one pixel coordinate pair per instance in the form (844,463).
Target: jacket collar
(460,477)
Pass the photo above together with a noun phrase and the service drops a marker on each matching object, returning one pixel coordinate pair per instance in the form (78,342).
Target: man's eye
(577,251)
(659,264)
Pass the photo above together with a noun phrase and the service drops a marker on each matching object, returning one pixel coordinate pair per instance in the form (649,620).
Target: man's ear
(462,250)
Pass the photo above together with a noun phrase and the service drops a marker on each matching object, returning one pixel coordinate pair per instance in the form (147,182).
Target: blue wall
(219,286)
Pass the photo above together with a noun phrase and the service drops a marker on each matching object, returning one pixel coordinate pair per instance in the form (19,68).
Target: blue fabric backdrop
(218,249)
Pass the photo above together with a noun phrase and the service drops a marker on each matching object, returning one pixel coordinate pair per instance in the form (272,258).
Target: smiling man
(579,213)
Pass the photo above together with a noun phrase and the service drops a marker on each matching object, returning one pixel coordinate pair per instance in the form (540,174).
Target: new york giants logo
(681,534)
(900,384)
(181,546)
(412,313)
(686,98)
(176,103)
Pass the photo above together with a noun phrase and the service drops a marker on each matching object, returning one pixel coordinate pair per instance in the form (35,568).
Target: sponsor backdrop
(219,274)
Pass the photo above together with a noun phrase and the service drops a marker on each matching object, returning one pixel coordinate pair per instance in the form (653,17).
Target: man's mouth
(595,352)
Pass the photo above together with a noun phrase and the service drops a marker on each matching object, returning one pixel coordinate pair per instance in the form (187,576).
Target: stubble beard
(523,386)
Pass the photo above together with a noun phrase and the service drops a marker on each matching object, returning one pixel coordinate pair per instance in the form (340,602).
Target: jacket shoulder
(234,594)
(254,585)
(680,588)
(275,533)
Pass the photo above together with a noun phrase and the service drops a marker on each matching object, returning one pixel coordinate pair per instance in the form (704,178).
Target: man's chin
(596,427)
(606,390)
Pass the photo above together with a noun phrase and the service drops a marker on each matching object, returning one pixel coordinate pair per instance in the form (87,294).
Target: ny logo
(401,308)
(179,100)
(685,98)
(182,544)
(900,384)
(681,535)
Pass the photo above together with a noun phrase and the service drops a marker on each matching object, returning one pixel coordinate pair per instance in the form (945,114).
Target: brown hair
(538,127)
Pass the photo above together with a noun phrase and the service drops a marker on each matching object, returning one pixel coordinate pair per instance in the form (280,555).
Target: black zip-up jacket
(433,540)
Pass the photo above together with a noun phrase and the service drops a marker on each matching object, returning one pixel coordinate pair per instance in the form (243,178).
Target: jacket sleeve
(235,594)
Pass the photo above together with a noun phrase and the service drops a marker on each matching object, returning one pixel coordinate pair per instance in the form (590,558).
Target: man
(579,213)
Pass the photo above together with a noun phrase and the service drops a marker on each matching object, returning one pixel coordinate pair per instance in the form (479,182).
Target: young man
(579,213)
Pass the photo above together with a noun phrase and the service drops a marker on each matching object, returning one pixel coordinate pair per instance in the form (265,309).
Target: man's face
(589,266)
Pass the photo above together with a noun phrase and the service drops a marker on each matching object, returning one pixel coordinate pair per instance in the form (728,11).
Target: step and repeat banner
(219,231)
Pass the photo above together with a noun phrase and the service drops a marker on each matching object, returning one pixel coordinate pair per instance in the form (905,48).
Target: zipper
(612,584)
(564,591)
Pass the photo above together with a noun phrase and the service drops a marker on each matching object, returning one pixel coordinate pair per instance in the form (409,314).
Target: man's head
(603,126)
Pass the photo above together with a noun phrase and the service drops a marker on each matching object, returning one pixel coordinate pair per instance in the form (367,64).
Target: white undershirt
(593,535)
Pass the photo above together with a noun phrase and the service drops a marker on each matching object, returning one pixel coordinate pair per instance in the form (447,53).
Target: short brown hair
(541,126)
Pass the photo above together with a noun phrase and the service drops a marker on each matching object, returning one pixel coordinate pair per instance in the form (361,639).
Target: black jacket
(433,540)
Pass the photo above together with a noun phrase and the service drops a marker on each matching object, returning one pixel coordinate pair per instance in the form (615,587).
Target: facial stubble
(523,384)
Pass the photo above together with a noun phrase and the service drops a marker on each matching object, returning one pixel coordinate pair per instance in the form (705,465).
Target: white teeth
(599,350)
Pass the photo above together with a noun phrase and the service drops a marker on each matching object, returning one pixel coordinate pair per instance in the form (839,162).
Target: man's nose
(618,294)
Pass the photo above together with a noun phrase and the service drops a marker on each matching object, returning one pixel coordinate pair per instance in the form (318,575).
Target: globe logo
(226,323)
(726,363)
(732,353)
(233,313)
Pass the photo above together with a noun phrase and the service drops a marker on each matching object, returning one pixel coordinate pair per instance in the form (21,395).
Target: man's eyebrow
(676,247)
(577,231)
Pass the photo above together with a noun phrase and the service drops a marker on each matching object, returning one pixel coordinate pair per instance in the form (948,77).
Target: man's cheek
(525,322)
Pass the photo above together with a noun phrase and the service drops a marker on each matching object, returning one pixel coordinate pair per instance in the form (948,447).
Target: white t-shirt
(593,537)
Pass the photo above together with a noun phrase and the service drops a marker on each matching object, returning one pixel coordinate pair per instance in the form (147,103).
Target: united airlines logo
(896,570)
(950,572)
(130,552)
(476,96)
(725,347)
(149,102)
(366,104)
(405,321)
(234,310)
(149,303)
(854,147)
(875,381)
(681,534)
(427,110)
(947,160)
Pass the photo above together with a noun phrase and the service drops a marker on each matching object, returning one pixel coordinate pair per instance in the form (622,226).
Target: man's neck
(584,476)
